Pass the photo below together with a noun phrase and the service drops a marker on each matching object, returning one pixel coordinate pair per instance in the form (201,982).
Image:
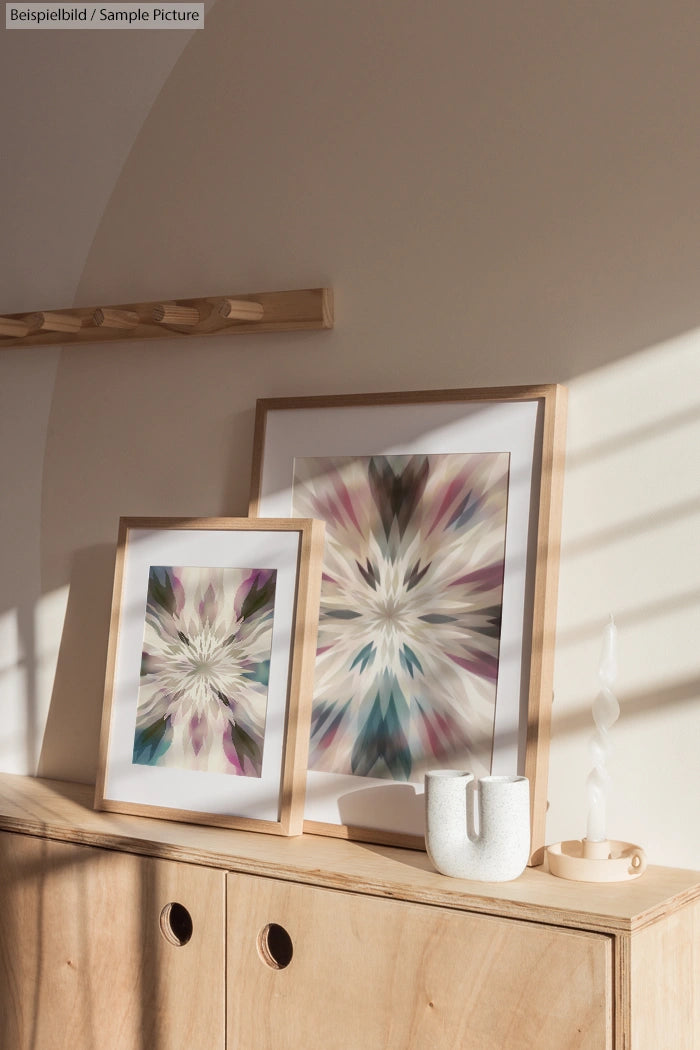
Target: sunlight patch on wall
(11,655)
(629,547)
(28,654)
(13,690)
(632,515)
(49,616)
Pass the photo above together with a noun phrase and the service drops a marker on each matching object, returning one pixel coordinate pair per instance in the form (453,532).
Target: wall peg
(173,313)
(53,321)
(12,328)
(241,310)
(108,317)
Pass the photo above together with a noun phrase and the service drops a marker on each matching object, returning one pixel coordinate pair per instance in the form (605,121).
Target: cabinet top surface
(64,811)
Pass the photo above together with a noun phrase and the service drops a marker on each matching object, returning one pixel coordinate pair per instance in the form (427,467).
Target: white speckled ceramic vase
(494,848)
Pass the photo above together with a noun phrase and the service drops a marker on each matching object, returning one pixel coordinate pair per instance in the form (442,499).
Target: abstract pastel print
(202,698)
(410,619)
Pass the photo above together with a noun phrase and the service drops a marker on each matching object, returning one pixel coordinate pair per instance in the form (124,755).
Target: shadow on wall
(70,741)
(71,737)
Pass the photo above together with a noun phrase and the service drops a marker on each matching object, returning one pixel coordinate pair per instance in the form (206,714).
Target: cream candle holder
(605,861)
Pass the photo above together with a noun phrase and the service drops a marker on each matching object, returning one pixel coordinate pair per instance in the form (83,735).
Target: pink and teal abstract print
(408,648)
(202,700)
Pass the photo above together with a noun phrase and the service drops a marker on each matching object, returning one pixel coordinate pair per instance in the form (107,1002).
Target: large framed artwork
(436,629)
(210,671)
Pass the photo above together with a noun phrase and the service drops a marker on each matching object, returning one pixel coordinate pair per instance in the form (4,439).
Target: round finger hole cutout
(176,924)
(275,946)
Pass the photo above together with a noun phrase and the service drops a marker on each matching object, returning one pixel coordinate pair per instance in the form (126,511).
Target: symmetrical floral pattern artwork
(202,698)
(408,646)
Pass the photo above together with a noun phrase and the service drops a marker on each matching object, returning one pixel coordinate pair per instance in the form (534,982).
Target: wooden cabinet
(143,934)
(92,953)
(367,972)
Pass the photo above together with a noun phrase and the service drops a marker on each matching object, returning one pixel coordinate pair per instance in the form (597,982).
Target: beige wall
(499,194)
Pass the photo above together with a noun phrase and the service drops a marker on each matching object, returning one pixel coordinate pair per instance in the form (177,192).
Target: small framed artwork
(436,629)
(210,671)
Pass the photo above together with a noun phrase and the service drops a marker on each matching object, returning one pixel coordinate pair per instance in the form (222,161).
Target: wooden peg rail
(308,308)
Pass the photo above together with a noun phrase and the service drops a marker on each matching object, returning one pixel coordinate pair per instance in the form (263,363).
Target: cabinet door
(327,970)
(95,952)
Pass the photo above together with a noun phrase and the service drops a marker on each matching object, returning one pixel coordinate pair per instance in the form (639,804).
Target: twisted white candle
(606,712)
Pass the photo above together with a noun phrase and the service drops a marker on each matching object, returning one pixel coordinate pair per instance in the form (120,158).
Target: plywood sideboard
(142,934)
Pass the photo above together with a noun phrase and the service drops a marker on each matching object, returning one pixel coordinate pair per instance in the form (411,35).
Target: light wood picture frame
(210,671)
(443,507)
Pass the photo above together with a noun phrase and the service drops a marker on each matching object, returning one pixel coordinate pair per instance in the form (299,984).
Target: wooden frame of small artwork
(438,602)
(210,670)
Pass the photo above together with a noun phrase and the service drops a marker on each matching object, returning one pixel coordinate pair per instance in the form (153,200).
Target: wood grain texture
(301,685)
(64,811)
(124,319)
(662,983)
(176,314)
(304,309)
(621,945)
(56,321)
(83,964)
(542,586)
(110,671)
(13,329)
(385,952)
(297,712)
(409,397)
(371,973)
(241,310)
(544,613)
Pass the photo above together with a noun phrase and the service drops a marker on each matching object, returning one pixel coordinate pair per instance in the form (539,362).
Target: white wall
(499,194)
